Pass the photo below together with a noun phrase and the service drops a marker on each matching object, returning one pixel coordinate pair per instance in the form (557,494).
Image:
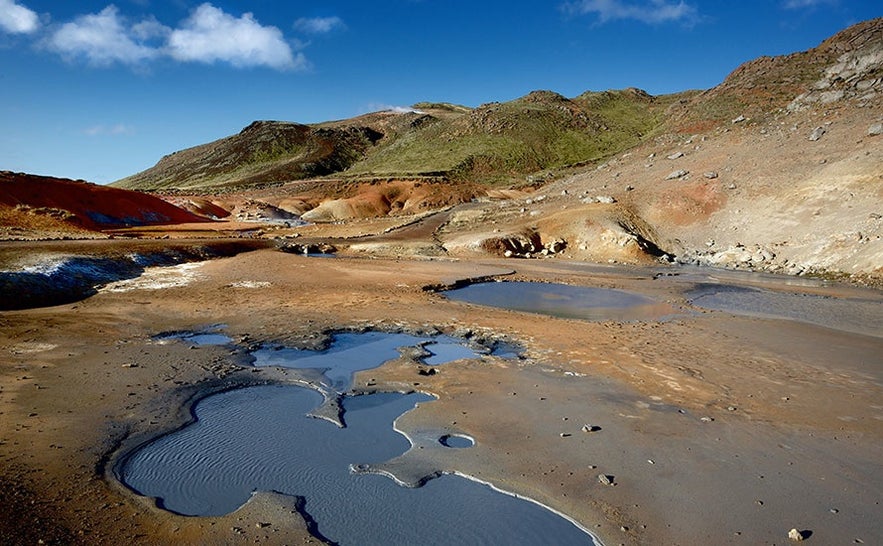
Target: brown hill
(845,66)
(40,203)
(264,152)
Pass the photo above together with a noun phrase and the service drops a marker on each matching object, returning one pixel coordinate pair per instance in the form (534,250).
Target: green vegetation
(496,143)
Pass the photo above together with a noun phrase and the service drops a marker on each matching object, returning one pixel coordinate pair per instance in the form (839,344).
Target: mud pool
(259,439)
(564,301)
(263,439)
(352,352)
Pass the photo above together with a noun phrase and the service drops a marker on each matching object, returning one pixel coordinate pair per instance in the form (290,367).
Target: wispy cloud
(380,107)
(803,4)
(102,39)
(650,12)
(211,35)
(109,130)
(319,25)
(17,19)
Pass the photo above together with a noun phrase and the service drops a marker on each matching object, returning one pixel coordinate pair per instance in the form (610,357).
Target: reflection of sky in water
(207,339)
(352,352)
(259,439)
(561,300)
(851,315)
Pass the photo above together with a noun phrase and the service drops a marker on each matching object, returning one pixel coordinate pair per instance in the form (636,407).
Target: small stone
(739,119)
(875,129)
(604,479)
(817,133)
(565,434)
(711,175)
(676,155)
(795,535)
(590,428)
(680,173)
(731,408)
(706,419)
(834,511)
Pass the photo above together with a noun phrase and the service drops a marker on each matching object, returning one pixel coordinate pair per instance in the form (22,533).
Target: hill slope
(41,203)
(265,151)
(494,141)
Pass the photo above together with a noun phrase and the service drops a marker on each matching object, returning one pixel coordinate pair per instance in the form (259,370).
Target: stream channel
(262,439)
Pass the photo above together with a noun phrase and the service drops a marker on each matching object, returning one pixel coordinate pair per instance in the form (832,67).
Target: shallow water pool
(564,301)
(353,352)
(259,439)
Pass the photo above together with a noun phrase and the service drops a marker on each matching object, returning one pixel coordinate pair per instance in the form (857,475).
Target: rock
(605,199)
(795,535)
(604,479)
(817,133)
(676,155)
(591,428)
(680,173)
(739,119)
(875,129)
(711,175)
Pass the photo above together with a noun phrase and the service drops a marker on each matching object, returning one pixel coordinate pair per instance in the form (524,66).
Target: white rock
(680,173)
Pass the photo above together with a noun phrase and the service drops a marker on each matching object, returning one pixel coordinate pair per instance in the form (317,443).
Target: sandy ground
(715,428)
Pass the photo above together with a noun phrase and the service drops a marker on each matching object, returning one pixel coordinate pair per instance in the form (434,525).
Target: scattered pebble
(795,535)
(605,479)
(590,428)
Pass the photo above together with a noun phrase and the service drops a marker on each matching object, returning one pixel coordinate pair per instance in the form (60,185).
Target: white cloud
(102,39)
(211,35)
(17,19)
(801,4)
(319,25)
(651,12)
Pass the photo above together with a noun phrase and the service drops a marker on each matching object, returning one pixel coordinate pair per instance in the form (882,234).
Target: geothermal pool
(564,301)
(261,439)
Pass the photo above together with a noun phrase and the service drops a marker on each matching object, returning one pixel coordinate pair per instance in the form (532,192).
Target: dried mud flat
(710,428)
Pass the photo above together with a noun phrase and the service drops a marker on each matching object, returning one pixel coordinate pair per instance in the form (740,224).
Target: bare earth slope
(32,205)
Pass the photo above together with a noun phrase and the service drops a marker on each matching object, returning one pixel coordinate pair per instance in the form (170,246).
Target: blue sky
(99,90)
